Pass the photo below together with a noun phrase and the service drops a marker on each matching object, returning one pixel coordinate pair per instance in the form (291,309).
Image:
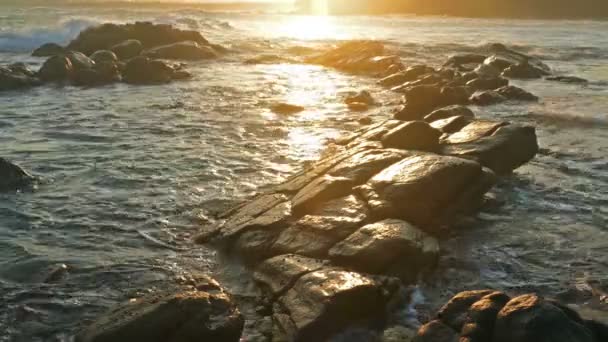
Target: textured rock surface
(412,135)
(13,177)
(280,273)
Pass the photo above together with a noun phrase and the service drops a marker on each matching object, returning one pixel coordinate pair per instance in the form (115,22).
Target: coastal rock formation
(142,70)
(208,314)
(127,49)
(493,316)
(48,50)
(13,177)
(56,68)
(17,76)
(187,50)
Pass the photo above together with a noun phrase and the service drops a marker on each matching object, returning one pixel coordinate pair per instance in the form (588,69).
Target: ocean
(129,173)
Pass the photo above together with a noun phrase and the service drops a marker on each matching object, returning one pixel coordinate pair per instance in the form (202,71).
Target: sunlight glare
(312,27)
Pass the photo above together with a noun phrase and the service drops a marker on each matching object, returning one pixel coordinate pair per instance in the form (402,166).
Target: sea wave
(31,38)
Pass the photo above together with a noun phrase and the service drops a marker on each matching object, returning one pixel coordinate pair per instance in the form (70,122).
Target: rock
(567,79)
(523,70)
(487,83)
(599,330)
(503,151)
(481,317)
(398,334)
(80,61)
(13,177)
(107,36)
(314,234)
(487,98)
(359,57)
(142,70)
(264,212)
(56,68)
(358,106)
(498,62)
(361,97)
(516,57)
(325,302)
(484,71)
(517,94)
(189,316)
(452,124)
(182,50)
(254,245)
(48,50)
(436,331)
(474,131)
(286,109)
(101,73)
(340,179)
(377,247)
(104,56)
(128,49)
(412,135)
(464,59)
(410,74)
(450,111)
(280,273)
(366,120)
(17,76)
(454,313)
(426,189)
(419,101)
(530,318)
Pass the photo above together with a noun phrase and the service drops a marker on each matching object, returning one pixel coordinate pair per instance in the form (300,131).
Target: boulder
(325,302)
(487,83)
(106,36)
(486,71)
(279,274)
(436,331)
(427,189)
(398,334)
(523,70)
(340,179)
(450,111)
(17,76)
(286,108)
(464,60)
(503,151)
(104,56)
(188,316)
(498,62)
(487,98)
(530,318)
(56,68)
(473,131)
(481,317)
(412,135)
(127,49)
(361,97)
(79,60)
(314,234)
(13,177)
(48,50)
(517,94)
(102,73)
(377,247)
(419,102)
(182,50)
(452,124)
(142,70)
(410,74)
(455,312)
(359,57)
(515,57)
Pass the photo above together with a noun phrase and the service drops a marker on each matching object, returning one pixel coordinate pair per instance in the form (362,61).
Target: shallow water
(129,172)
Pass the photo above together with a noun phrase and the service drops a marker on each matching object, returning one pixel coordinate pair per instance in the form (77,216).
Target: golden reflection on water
(310,27)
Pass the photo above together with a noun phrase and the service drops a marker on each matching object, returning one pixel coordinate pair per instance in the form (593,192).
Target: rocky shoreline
(337,247)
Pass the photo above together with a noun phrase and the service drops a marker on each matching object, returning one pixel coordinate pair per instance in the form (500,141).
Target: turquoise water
(129,173)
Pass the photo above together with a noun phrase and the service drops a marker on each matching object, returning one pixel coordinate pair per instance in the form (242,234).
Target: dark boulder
(182,50)
(104,37)
(436,331)
(498,62)
(17,76)
(286,108)
(188,316)
(48,50)
(516,57)
(80,61)
(487,83)
(325,302)
(530,318)
(142,70)
(104,56)
(503,150)
(449,111)
(516,94)
(465,61)
(127,49)
(377,247)
(487,98)
(523,70)
(412,135)
(56,68)
(13,177)
(102,73)
(427,189)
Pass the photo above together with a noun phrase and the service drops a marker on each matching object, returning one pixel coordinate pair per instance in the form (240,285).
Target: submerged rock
(361,97)
(189,316)
(286,108)
(48,50)
(567,79)
(183,50)
(524,70)
(13,177)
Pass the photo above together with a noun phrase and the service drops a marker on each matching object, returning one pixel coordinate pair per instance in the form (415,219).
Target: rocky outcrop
(188,50)
(493,316)
(360,57)
(13,177)
(48,50)
(17,76)
(208,314)
(127,49)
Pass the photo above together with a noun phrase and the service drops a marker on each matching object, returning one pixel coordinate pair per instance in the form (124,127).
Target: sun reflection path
(311,27)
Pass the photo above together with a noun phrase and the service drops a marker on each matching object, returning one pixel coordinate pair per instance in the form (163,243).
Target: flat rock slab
(279,274)
(327,301)
(374,248)
(419,189)
(191,316)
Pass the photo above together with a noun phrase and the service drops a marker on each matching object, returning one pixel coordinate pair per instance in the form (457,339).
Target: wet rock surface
(13,177)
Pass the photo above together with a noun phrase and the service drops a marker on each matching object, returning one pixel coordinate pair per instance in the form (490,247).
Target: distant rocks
(13,177)
(204,314)
(493,316)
